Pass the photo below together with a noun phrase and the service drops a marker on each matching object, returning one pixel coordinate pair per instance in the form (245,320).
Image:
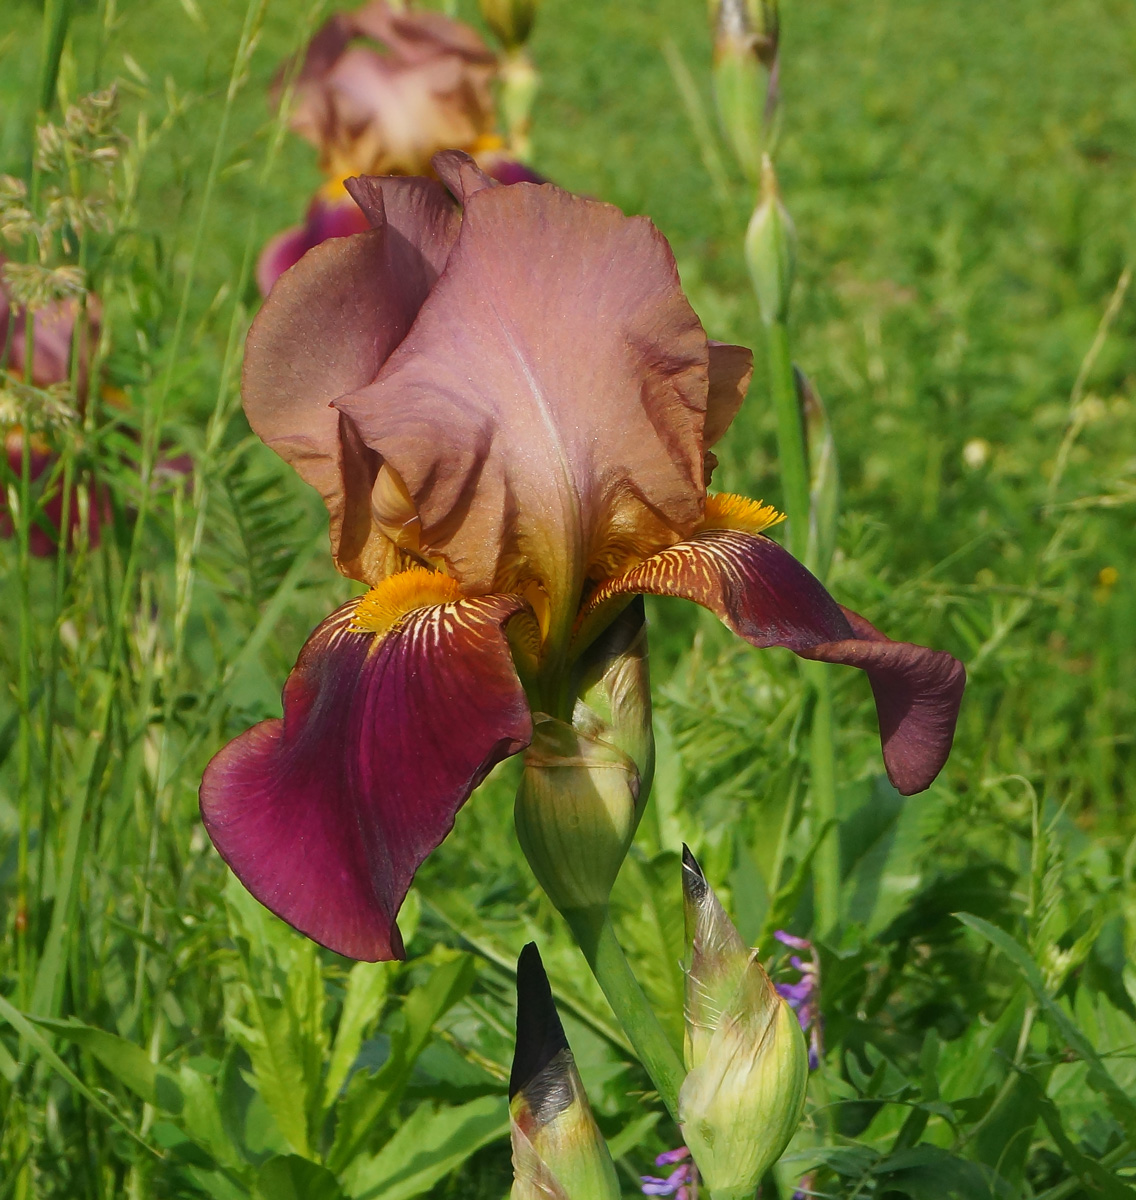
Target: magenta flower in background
(507,405)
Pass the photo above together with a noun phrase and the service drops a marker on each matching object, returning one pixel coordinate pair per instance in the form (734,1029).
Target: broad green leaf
(366,990)
(278,1067)
(128,1063)
(290,1177)
(371,1095)
(200,1117)
(42,1046)
(431,1144)
(1122,1106)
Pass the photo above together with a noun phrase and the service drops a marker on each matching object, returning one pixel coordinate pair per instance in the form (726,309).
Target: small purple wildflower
(680,1183)
(804,995)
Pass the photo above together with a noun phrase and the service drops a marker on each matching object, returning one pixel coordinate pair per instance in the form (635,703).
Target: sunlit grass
(962,186)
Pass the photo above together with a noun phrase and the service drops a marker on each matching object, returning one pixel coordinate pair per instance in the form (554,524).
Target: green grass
(961,178)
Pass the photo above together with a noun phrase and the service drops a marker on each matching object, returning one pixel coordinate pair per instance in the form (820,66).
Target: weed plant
(961,178)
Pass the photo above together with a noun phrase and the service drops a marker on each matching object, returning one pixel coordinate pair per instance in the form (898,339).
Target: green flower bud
(747,1063)
(614,690)
(745,54)
(510,20)
(770,249)
(518,82)
(576,812)
(558,1152)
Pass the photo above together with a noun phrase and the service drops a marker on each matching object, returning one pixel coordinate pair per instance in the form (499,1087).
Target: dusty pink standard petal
(326,814)
(765,596)
(326,329)
(326,219)
(553,388)
(461,174)
(731,368)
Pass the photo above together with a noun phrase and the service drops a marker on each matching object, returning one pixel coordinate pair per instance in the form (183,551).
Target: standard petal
(551,393)
(327,217)
(731,368)
(326,329)
(326,814)
(765,596)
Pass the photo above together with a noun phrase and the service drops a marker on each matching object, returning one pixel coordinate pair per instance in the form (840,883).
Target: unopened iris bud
(558,1152)
(614,691)
(770,249)
(576,812)
(747,1065)
(745,55)
(510,20)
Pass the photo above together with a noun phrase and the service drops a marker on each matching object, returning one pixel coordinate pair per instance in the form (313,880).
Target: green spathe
(770,249)
(747,1063)
(576,812)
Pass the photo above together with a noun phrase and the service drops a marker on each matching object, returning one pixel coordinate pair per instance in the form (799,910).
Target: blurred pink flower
(379,93)
(53,331)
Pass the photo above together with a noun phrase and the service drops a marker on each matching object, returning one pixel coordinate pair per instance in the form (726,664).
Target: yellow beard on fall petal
(727,511)
(396,596)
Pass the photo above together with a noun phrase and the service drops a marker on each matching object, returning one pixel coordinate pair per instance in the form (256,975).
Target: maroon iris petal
(326,814)
(918,692)
(764,595)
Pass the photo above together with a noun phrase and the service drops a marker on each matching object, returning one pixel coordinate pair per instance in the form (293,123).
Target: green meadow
(962,178)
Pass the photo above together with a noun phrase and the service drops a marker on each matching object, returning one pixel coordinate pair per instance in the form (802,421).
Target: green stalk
(23,689)
(596,938)
(793,459)
(791,453)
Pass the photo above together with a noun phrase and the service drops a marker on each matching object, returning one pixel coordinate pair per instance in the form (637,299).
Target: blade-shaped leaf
(431,1144)
(370,1096)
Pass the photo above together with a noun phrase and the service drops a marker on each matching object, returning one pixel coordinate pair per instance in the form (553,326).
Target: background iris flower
(379,92)
(507,407)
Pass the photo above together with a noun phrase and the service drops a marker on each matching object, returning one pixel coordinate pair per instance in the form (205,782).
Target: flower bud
(747,1065)
(745,55)
(558,1153)
(770,249)
(576,812)
(614,691)
(510,20)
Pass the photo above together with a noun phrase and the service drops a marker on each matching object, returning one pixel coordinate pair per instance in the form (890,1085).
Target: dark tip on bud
(694,882)
(540,1036)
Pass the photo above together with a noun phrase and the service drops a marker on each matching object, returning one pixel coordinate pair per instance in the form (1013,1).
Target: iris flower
(379,92)
(52,334)
(507,404)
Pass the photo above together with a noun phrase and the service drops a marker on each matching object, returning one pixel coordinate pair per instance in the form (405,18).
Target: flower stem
(791,454)
(793,458)
(596,937)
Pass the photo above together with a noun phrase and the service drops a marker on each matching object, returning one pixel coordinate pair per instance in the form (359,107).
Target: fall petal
(325,814)
(552,390)
(765,596)
(917,691)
